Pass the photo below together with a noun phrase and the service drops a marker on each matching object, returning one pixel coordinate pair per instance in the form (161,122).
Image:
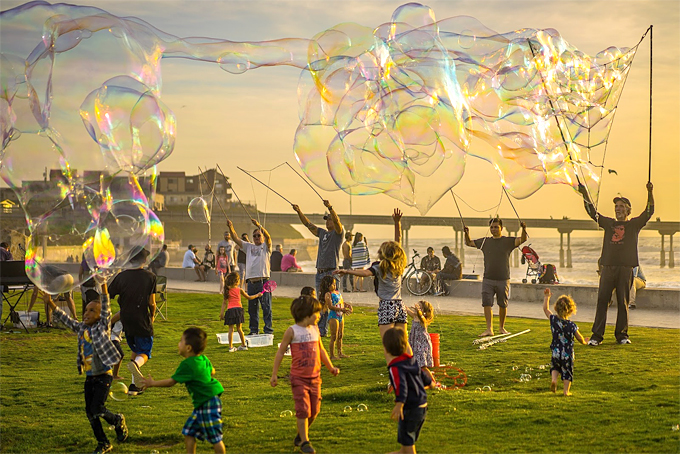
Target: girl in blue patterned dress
(563,333)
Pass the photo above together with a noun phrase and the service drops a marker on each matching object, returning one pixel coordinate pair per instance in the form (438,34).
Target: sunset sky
(249,120)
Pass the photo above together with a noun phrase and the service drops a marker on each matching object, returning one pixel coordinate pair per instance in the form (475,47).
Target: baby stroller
(534,268)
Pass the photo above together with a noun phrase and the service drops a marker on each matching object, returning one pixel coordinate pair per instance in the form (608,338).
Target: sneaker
(625,341)
(232,349)
(307,448)
(103,448)
(632,306)
(242,348)
(121,429)
(134,370)
(133,390)
(594,343)
(298,440)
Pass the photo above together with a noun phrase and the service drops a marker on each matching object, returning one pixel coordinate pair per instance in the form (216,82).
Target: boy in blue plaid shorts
(196,372)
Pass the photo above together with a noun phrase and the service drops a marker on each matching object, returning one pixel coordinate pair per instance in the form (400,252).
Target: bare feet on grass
(486,333)
(567,394)
(553,386)
(503,331)
(342,355)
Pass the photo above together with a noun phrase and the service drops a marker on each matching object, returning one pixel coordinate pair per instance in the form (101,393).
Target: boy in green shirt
(196,372)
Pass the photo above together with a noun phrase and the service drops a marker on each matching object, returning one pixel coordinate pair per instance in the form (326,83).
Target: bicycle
(418,282)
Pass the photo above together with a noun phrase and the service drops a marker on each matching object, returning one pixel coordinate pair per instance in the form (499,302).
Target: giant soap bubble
(395,108)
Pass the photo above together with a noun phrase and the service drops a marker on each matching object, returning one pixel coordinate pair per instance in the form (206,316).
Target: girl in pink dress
(232,303)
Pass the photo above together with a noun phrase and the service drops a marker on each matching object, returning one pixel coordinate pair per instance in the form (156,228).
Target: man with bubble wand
(258,254)
(496,281)
(328,255)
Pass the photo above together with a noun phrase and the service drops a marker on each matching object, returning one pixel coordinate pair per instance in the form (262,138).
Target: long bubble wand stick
(513,206)
(232,190)
(303,179)
(216,198)
(457,207)
(265,185)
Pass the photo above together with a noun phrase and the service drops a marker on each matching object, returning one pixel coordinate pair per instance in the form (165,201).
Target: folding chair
(14,284)
(162,297)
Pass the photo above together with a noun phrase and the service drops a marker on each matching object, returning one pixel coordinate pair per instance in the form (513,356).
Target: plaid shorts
(205,423)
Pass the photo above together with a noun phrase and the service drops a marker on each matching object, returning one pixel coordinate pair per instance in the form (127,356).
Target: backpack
(548,275)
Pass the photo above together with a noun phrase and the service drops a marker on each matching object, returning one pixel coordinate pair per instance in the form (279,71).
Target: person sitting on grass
(307,352)
(96,357)
(409,382)
(563,333)
(197,373)
(232,302)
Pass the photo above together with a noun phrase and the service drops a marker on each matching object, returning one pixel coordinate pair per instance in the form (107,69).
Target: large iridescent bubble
(394,108)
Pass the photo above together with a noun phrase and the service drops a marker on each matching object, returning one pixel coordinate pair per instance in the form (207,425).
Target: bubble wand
(232,190)
(263,185)
(303,179)
(217,198)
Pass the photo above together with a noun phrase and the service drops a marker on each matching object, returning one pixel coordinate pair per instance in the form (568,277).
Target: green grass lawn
(626,398)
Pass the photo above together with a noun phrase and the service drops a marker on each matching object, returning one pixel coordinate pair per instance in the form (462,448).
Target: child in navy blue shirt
(563,333)
(409,383)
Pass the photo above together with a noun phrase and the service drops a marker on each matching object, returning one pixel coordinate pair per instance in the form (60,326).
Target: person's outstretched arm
(468,241)
(649,209)
(233,234)
(250,297)
(334,217)
(587,203)
(546,302)
(149,382)
(523,237)
(396,217)
(306,222)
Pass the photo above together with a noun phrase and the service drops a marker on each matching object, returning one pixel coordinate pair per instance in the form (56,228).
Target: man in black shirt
(430,262)
(619,257)
(275,259)
(496,279)
(136,291)
(453,270)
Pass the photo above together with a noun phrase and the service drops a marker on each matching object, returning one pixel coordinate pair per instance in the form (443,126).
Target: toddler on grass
(96,357)
(307,353)
(419,339)
(232,302)
(196,372)
(563,333)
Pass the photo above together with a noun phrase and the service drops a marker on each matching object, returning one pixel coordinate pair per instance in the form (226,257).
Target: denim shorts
(140,345)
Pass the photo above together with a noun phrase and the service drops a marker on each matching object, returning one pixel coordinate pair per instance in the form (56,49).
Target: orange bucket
(434,337)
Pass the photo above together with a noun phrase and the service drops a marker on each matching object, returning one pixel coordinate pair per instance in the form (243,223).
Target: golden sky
(249,120)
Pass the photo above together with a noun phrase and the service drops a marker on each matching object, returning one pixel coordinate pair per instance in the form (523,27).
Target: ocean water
(584,255)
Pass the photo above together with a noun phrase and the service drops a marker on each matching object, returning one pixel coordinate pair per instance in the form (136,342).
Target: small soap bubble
(347,409)
(112,427)
(514,367)
(286,413)
(362,407)
(139,432)
(675,427)
(542,367)
(119,391)
(154,451)
(478,390)
(486,388)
